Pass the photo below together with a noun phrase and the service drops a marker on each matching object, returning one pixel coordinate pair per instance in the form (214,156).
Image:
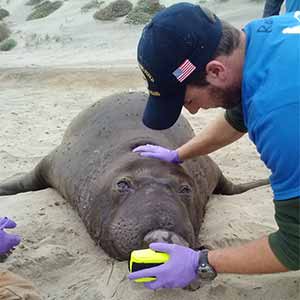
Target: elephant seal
(125,200)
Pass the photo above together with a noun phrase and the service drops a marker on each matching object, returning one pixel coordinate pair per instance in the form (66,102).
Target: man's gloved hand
(7,241)
(159,152)
(178,272)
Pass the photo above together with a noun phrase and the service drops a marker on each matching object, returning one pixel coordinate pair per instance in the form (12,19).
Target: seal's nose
(165,236)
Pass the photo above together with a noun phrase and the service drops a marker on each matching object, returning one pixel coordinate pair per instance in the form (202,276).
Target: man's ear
(216,72)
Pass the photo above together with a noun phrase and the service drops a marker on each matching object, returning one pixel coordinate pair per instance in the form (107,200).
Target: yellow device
(146,258)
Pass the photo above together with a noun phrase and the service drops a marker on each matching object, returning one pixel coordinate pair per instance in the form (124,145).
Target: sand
(62,64)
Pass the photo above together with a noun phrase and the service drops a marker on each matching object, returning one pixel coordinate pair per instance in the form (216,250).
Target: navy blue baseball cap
(177,43)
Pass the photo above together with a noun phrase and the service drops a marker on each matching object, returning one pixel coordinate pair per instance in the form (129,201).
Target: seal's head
(147,200)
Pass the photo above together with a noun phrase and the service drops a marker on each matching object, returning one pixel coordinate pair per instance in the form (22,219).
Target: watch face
(206,273)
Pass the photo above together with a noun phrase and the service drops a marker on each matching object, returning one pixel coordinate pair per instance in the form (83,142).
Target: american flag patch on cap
(183,71)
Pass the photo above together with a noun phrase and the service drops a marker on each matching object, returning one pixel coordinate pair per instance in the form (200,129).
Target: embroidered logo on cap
(146,73)
(154,93)
(184,70)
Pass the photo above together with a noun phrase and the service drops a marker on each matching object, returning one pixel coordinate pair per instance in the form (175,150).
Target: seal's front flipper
(24,182)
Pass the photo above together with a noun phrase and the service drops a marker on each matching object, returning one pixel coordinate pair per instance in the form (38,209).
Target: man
(12,286)
(272,7)
(190,58)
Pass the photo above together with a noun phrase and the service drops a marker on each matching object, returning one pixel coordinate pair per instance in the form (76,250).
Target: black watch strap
(203,259)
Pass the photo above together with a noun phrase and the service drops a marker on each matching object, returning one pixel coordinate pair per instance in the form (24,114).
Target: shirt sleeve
(285,243)
(234,117)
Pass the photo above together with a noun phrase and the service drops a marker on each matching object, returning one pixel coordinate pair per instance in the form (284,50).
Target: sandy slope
(42,87)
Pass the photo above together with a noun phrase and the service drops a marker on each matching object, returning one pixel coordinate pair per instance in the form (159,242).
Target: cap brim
(162,112)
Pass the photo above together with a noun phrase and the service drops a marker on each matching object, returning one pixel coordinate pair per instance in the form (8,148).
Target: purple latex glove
(159,152)
(7,241)
(178,272)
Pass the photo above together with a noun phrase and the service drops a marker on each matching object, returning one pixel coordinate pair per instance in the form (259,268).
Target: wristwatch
(205,271)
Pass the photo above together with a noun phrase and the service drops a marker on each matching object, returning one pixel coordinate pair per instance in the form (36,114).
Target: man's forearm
(255,257)
(217,135)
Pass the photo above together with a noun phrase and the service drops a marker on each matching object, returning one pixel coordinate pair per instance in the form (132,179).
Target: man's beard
(226,98)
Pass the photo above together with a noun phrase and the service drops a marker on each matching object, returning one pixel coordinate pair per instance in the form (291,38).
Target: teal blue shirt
(292,5)
(271,98)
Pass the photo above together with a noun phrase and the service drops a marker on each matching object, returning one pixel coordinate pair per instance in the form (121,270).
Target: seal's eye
(124,185)
(185,189)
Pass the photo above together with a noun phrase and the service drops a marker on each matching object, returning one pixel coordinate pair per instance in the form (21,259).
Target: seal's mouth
(165,236)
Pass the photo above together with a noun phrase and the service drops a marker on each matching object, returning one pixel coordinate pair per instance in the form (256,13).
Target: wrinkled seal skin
(119,195)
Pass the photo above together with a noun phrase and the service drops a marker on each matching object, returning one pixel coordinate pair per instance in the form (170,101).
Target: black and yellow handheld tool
(146,258)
